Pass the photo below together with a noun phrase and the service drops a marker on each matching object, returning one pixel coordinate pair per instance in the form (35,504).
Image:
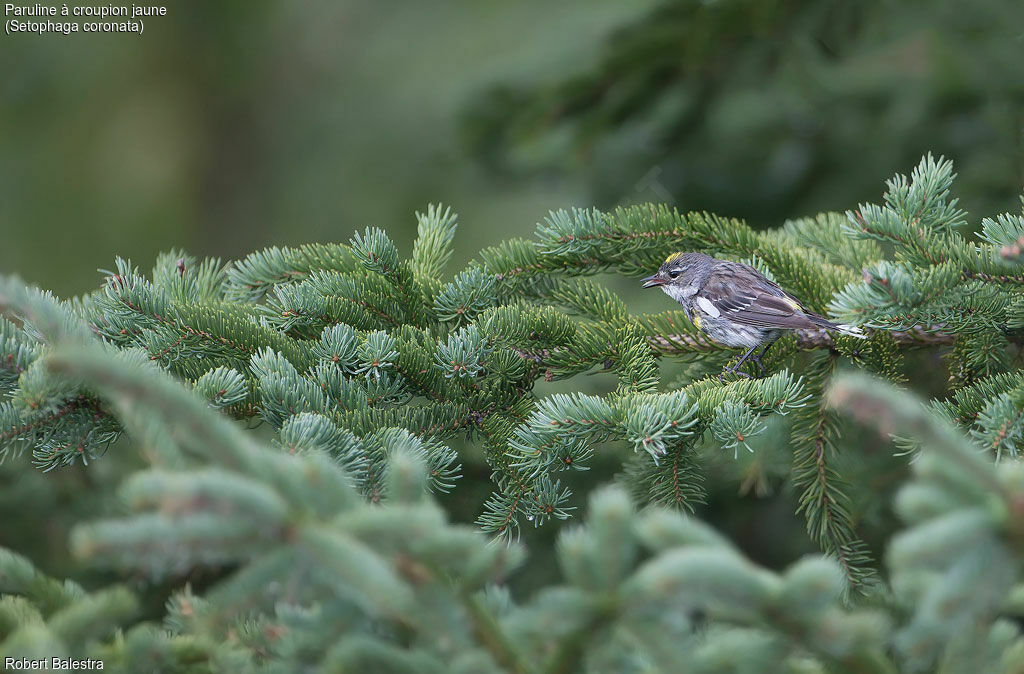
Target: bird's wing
(745,296)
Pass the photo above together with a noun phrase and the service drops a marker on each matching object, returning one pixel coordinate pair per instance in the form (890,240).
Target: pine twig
(805,339)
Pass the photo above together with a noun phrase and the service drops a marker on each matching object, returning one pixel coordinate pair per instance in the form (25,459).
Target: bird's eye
(674,273)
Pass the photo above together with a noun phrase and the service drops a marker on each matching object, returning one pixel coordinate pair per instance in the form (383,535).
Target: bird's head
(679,269)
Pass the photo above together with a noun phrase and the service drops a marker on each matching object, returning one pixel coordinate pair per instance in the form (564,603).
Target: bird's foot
(734,370)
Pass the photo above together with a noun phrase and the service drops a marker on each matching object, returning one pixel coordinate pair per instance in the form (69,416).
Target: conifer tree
(367,365)
(760,108)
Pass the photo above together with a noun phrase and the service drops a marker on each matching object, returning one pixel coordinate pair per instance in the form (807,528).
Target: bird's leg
(735,369)
(757,357)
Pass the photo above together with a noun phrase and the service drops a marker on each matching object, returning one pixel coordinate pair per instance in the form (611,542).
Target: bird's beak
(652,281)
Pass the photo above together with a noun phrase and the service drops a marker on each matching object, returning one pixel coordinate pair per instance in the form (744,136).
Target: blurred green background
(234,125)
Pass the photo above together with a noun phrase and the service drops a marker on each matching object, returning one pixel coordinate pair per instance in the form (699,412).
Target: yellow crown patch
(672,257)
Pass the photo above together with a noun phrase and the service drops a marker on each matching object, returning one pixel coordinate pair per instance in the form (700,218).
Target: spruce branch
(959,501)
(17,352)
(433,247)
(365,363)
(251,278)
(823,498)
(808,340)
(396,585)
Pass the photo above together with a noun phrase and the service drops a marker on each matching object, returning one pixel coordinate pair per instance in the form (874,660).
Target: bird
(734,304)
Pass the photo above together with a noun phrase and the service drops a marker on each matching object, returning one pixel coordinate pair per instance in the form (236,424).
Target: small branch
(993,278)
(805,339)
(572,647)
(493,637)
(80,402)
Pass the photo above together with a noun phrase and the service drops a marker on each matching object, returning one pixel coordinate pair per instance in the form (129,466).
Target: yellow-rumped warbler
(734,304)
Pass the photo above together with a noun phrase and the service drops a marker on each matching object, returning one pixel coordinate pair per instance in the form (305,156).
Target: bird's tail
(850,330)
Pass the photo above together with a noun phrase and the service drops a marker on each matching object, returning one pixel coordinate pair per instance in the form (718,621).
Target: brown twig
(805,339)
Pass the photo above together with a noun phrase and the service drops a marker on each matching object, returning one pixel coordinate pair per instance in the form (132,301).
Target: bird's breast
(681,294)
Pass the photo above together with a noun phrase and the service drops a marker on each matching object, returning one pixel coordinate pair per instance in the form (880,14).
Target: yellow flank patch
(793,303)
(672,257)
(696,320)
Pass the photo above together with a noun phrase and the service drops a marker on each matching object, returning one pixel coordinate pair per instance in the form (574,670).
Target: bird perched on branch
(735,304)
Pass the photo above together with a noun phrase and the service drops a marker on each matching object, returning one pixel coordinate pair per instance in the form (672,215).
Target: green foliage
(958,614)
(368,344)
(369,371)
(321,578)
(761,108)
